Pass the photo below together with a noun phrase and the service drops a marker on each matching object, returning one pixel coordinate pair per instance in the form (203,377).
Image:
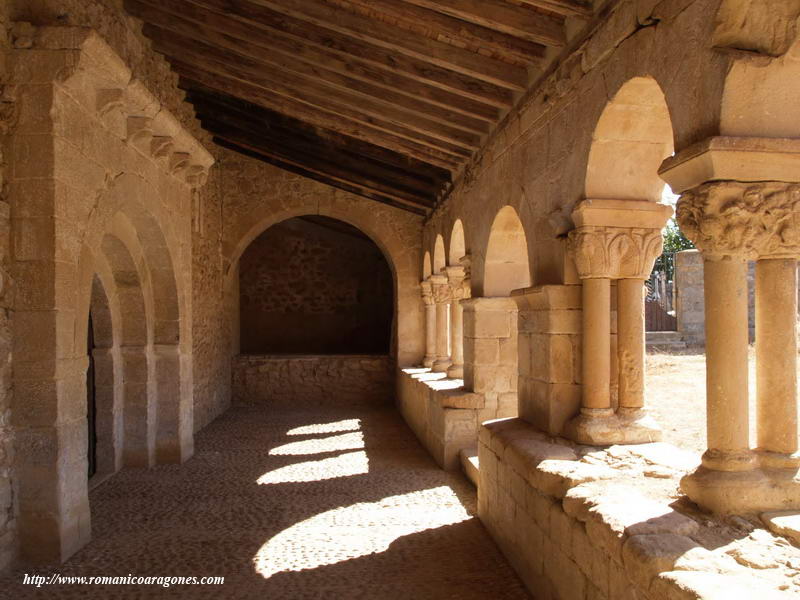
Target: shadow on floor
(309,504)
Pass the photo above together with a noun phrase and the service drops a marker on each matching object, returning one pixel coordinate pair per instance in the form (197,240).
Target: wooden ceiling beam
(452,126)
(519,21)
(402,42)
(566,8)
(417,128)
(243,148)
(354,51)
(267,122)
(226,31)
(515,48)
(319,160)
(354,127)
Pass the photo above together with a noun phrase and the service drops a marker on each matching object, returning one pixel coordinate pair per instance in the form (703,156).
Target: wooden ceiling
(384,98)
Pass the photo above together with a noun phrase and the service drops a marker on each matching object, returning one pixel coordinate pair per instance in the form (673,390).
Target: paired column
(442,295)
(430,324)
(614,240)
(736,206)
(456,275)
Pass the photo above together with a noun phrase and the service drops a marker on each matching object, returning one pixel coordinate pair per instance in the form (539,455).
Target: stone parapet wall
(578,522)
(441,413)
(311,381)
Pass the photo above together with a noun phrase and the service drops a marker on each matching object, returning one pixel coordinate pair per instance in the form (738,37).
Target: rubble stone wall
(309,381)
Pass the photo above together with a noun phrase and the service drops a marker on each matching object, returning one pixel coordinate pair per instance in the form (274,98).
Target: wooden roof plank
(268,60)
(417,128)
(267,122)
(246,38)
(323,162)
(503,16)
(287,105)
(566,8)
(311,174)
(354,50)
(404,42)
(495,41)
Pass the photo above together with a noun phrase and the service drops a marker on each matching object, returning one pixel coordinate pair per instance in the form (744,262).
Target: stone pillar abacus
(442,295)
(740,201)
(456,276)
(430,324)
(614,240)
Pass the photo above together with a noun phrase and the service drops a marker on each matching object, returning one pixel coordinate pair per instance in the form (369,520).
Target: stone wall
(603,524)
(255,196)
(314,287)
(313,381)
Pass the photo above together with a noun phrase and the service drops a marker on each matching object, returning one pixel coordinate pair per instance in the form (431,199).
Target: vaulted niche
(315,285)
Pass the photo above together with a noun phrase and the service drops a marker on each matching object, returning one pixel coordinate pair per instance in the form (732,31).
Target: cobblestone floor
(324,505)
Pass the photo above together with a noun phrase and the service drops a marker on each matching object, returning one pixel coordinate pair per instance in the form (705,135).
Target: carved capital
(442,292)
(427,292)
(614,252)
(455,277)
(756,220)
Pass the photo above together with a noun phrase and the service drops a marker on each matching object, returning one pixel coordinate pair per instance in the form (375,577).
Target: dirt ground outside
(676,395)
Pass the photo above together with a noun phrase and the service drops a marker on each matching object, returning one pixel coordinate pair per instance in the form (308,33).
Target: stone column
(738,204)
(456,275)
(430,324)
(614,240)
(630,345)
(776,358)
(441,297)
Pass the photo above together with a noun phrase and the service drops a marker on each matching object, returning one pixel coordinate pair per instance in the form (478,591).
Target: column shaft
(630,342)
(596,343)
(725,282)
(430,334)
(776,354)
(442,328)
(456,370)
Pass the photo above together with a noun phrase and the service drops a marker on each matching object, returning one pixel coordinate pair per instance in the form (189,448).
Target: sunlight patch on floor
(335,443)
(346,465)
(335,427)
(358,530)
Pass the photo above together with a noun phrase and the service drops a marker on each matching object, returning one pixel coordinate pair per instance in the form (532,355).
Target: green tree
(674,240)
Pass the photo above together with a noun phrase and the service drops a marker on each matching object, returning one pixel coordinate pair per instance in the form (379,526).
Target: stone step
(667,340)
(469,463)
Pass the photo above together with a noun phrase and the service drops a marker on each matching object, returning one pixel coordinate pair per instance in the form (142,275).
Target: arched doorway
(316,315)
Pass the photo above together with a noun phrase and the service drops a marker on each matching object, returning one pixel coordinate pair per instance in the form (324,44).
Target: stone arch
(427,268)
(458,247)
(630,141)
(439,254)
(377,225)
(506,267)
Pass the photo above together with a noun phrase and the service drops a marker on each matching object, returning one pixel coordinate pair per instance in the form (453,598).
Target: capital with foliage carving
(455,276)
(614,252)
(442,292)
(756,220)
(427,292)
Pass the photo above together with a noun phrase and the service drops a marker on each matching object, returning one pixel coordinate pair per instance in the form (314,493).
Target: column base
(743,492)
(441,365)
(428,361)
(604,427)
(455,371)
(777,460)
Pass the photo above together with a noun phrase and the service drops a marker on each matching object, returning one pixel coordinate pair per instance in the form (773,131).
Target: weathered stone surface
(785,523)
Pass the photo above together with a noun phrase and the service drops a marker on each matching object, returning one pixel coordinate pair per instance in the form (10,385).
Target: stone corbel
(179,162)
(140,134)
(161,147)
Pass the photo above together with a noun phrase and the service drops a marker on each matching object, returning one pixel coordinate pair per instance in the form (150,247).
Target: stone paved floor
(323,505)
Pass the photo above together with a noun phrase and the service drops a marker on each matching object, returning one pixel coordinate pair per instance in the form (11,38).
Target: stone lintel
(639,214)
(745,159)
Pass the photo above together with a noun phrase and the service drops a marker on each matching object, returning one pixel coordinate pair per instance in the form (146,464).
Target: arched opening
(427,268)
(315,285)
(632,138)
(458,248)
(439,256)
(506,267)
